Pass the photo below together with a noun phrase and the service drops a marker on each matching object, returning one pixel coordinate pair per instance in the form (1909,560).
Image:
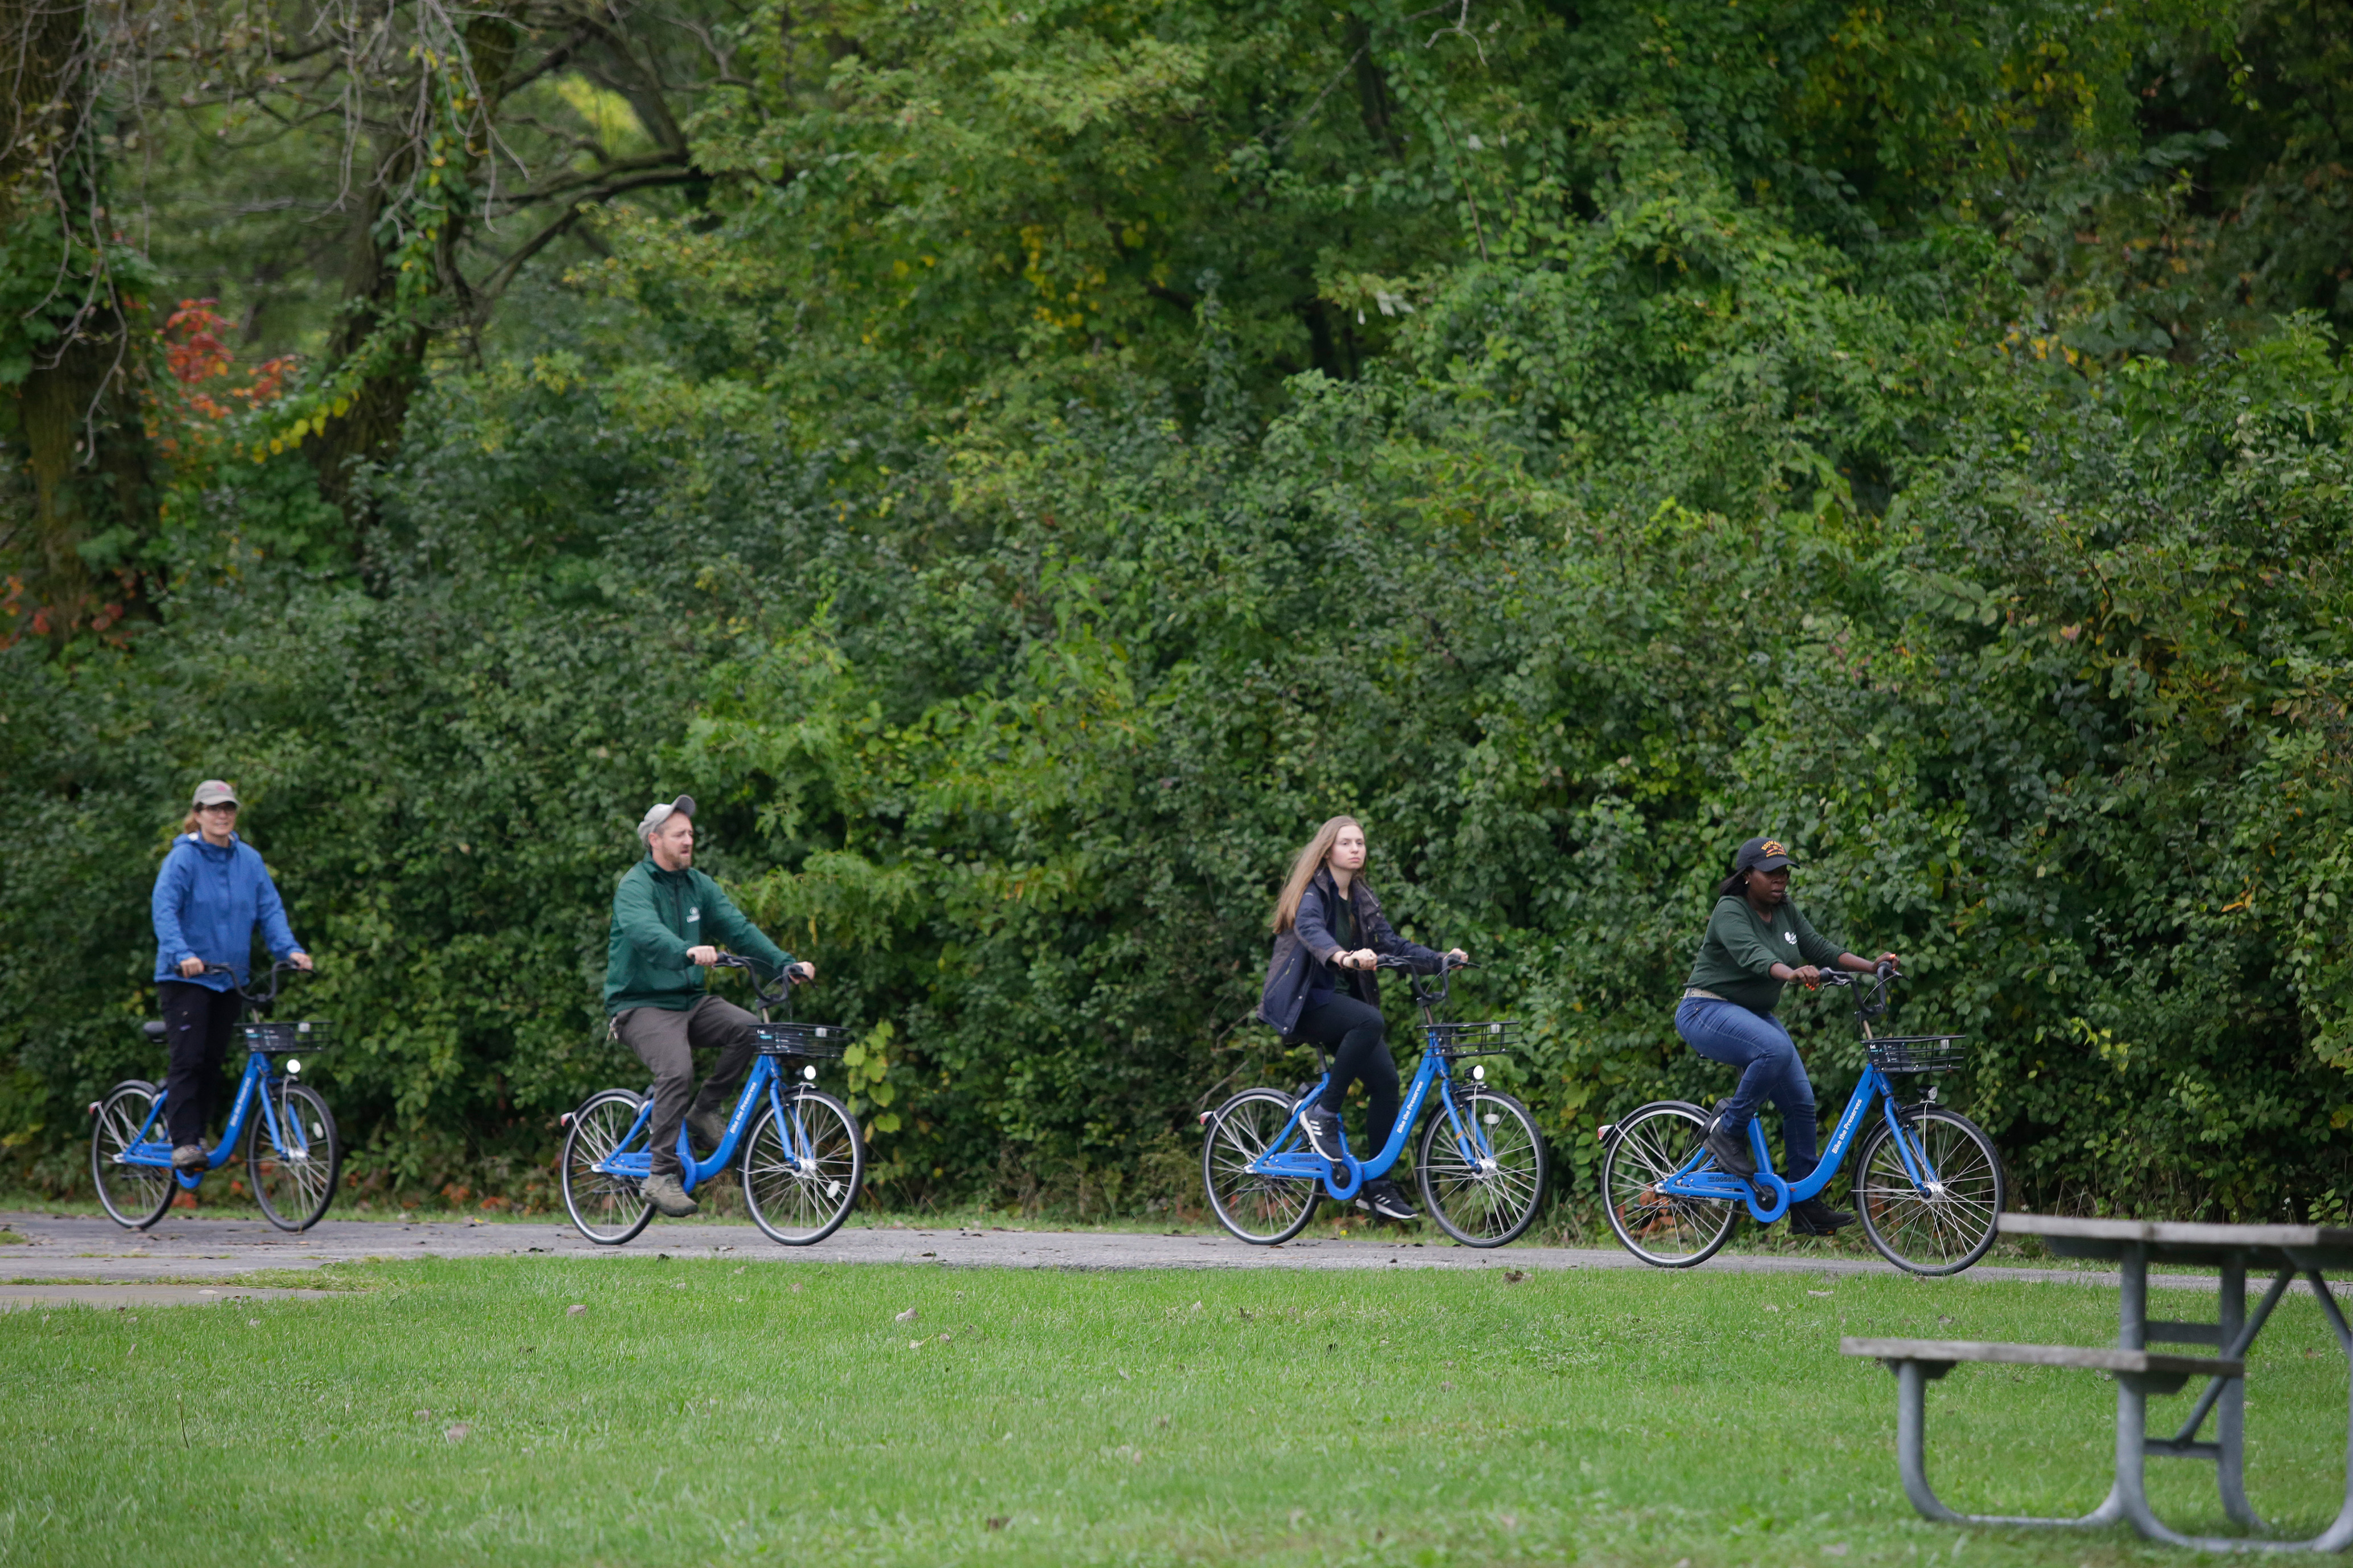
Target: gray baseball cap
(657,816)
(216,791)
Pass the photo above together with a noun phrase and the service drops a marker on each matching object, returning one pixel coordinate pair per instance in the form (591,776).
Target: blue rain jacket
(206,904)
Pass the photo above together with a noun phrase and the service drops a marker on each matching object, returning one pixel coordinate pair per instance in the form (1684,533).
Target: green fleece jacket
(656,916)
(1737,956)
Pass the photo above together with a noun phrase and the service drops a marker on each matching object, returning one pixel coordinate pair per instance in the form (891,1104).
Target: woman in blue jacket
(211,893)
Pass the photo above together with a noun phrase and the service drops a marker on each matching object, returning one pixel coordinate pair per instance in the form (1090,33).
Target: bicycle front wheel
(294,1178)
(608,1209)
(1944,1222)
(1661,1228)
(1483,1189)
(802,1174)
(1262,1210)
(135,1195)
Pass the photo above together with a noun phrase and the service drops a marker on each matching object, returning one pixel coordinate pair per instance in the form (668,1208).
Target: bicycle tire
(1262,1210)
(1923,1232)
(135,1196)
(811,1193)
(608,1210)
(294,1185)
(1492,1199)
(1662,1230)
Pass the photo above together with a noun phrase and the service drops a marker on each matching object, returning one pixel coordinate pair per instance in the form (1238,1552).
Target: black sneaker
(1322,1129)
(1385,1198)
(1731,1152)
(1812,1216)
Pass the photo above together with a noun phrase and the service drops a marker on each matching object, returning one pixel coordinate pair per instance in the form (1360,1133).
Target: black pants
(196,1024)
(665,1042)
(1358,1038)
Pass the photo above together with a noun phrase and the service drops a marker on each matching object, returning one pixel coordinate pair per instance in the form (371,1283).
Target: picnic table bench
(2287,1251)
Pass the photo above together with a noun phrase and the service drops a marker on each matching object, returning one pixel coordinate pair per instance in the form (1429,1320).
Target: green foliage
(1072,451)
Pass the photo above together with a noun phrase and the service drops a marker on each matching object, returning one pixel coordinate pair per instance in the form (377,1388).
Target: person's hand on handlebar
(703,957)
(1363,958)
(192,967)
(1458,955)
(300,960)
(801,974)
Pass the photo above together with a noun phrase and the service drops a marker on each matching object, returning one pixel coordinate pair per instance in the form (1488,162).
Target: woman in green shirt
(1757,942)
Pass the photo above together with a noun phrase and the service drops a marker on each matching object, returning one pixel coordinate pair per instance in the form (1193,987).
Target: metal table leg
(2131,1409)
(1912,1380)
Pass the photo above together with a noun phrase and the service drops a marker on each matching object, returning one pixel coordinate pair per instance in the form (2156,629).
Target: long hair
(191,823)
(1303,869)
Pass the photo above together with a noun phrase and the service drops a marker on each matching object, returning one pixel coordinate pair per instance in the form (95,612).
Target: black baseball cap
(1762,855)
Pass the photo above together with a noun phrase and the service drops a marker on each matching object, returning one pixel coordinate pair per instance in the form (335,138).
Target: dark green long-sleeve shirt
(656,916)
(1737,954)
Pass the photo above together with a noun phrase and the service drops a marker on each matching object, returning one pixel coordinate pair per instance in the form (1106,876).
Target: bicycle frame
(1436,1068)
(252,1087)
(767,1082)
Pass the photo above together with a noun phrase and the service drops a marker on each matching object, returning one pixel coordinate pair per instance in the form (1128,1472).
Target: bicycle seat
(152,1029)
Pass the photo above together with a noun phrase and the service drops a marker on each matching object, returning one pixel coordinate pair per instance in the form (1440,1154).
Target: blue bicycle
(1480,1161)
(292,1156)
(1927,1181)
(802,1158)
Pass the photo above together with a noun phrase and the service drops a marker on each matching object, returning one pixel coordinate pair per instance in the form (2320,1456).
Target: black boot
(1812,1216)
(1730,1149)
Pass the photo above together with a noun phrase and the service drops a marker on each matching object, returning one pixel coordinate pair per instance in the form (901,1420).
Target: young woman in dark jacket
(1320,986)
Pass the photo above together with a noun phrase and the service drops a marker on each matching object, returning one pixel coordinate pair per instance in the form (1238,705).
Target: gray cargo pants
(665,1042)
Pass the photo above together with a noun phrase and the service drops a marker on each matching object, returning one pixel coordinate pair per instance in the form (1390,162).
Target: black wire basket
(800,1040)
(1918,1053)
(1488,1039)
(307,1035)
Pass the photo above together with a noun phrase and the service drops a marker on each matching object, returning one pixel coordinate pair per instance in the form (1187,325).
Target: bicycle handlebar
(258,1003)
(767,998)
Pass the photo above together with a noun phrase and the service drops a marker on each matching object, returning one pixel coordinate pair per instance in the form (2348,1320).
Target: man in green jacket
(667,918)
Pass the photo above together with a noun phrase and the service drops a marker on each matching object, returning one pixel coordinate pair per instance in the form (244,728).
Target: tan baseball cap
(657,816)
(216,791)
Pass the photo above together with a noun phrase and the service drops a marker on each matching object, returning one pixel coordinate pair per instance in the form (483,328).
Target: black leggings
(1358,1040)
(196,1024)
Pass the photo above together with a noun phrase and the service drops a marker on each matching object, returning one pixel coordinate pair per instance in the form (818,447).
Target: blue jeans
(1756,1044)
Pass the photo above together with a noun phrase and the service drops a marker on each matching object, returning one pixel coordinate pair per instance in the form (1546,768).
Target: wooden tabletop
(2175,1241)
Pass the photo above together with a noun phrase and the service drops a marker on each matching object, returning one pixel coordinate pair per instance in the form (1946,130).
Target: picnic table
(2285,1251)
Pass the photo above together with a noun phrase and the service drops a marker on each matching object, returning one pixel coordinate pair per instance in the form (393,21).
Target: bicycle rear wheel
(1483,1191)
(135,1195)
(1661,1228)
(802,1174)
(1262,1210)
(608,1209)
(294,1178)
(1947,1225)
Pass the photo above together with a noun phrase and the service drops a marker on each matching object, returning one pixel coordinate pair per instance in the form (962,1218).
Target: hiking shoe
(1322,1129)
(1384,1198)
(1730,1150)
(190,1157)
(709,1127)
(1814,1217)
(668,1195)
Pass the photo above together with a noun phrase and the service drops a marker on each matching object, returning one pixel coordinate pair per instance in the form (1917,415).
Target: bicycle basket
(800,1040)
(306,1035)
(1489,1039)
(1918,1053)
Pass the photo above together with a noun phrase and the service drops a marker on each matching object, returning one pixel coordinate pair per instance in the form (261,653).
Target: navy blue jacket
(1300,953)
(206,904)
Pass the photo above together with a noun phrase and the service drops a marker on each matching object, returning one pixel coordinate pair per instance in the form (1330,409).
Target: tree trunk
(76,407)
(369,431)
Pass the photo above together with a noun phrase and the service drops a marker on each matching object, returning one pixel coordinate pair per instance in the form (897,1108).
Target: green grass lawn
(722,1411)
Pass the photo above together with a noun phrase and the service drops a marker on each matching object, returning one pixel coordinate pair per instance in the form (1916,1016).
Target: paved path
(183,1249)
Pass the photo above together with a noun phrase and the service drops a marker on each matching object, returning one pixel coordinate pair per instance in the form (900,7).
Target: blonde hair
(1302,869)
